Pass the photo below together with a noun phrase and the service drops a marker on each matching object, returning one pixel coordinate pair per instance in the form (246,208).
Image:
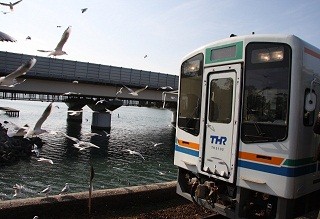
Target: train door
(221,121)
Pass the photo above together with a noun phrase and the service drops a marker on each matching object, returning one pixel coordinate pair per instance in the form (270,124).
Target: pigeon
(10,4)
(84,10)
(135,93)
(134,152)
(65,189)
(37,130)
(46,191)
(12,79)
(58,50)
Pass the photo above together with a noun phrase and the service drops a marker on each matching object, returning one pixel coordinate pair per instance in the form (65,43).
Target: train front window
(266,92)
(190,95)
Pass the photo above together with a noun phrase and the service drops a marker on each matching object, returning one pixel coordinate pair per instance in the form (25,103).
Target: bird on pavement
(47,190)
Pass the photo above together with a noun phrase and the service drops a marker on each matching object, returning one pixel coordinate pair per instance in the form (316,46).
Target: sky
(121,32)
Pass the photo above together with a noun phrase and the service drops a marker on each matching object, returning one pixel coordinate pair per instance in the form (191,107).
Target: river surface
(135,128)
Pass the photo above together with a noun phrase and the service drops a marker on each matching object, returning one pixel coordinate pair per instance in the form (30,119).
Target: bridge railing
(66,70)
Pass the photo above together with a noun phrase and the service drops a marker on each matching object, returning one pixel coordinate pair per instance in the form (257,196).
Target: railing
(66,70)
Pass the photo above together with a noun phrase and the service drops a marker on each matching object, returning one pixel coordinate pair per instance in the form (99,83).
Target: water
(131,128)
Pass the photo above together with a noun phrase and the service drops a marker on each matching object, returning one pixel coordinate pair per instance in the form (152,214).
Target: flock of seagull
(28,132)
(13,79)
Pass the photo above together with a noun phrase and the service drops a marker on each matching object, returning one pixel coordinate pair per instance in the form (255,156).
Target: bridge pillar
(101,120)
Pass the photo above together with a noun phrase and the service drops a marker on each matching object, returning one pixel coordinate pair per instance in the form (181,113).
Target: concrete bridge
(80,83)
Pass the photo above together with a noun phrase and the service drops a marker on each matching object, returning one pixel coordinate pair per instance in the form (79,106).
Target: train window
(190,95)
(266,93)
(308,117)
(220,106)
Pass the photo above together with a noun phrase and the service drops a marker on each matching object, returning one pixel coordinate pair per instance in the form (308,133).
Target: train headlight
(274,54)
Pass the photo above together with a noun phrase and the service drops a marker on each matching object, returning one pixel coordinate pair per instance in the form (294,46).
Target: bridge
(81,83)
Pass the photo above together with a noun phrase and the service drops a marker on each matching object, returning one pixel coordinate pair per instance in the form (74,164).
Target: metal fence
(66,70)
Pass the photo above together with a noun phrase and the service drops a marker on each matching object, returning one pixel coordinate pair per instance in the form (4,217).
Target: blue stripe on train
(283,171)
(187,151)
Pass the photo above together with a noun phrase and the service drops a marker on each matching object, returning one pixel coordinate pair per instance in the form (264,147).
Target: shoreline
(103,201)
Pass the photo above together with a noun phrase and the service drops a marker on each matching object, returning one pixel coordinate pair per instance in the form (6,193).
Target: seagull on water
(58,50)
(36,150)
(47,190)
(65,189)
(134,153)
(81,145)
(46,160)
(135,93)
(12,79)
(10,4)
(37,130)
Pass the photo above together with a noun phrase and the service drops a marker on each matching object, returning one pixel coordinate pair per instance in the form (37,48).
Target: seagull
(19,190)
(36,150)
(90,134)
(28,38)
(58,26)
(20,131)
(41,159)
(37,128)
(166,87)
(145,56)
(119,91)
(70,93)
(58,50)
(135,93)
(84,10)
(75,82)
(46,190)
(5,12)
(134,152)
(100,102)
(65,189)
(74,112)
(156,144)
(6,37)
(12,79)
(81,145)
(10,4)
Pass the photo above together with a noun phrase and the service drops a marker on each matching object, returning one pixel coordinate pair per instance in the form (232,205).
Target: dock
(10,111)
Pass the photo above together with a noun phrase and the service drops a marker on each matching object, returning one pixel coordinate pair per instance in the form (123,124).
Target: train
(248,127)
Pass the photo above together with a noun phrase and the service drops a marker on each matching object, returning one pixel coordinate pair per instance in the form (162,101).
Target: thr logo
(218,139)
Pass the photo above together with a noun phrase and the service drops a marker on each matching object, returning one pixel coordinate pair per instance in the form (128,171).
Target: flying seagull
(119,91)
(19,131)
(37,128)
(12,79)
(81,145)
(156,144)
(58,50)
(28,38)
(10,4)
(84,10)
(46,160)
(134,152)
(135,93)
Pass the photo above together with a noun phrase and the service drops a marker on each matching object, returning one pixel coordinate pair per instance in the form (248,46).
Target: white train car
(245,140)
